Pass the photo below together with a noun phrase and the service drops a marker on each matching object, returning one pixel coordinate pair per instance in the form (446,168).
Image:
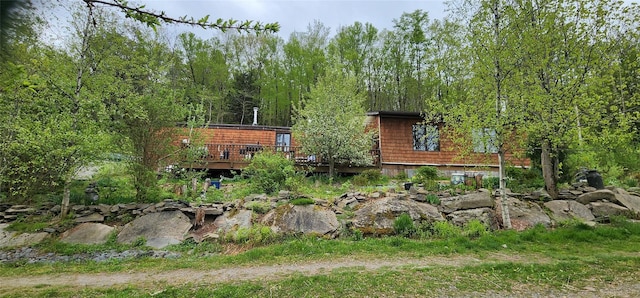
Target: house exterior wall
(398,155)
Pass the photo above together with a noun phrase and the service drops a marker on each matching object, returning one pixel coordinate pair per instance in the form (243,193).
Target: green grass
(503,278)
(570,243)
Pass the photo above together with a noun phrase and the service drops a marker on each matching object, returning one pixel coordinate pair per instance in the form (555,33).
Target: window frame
(426,137)
(484,140)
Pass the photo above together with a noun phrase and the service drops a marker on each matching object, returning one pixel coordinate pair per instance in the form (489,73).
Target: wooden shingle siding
(396,146)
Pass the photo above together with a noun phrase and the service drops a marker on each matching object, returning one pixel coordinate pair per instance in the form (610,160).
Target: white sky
(296,15)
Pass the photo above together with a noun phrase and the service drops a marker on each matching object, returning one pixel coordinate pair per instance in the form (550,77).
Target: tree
(491,113)
(330,123)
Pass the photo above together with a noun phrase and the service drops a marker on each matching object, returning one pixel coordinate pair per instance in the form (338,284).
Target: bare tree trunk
(64,210)
(549,168)
(506,218)
(331,167)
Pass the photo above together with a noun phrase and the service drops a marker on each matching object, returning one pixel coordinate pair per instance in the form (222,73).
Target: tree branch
(153,19)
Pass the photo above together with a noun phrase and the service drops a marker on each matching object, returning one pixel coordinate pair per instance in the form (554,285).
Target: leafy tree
(330,123)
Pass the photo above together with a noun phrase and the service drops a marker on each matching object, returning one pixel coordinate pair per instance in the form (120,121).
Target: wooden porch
(238,156)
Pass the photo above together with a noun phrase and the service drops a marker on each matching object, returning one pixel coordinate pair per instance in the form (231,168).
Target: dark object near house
(250,150)
(592,177)
(215,184)
(407,186)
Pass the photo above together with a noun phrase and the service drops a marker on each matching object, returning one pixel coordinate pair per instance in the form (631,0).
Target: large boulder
(563,210)
(627,200)
(87,233)
(462,217)
(607,209)
(474,200)
(309,219)
(523,214)
(158,229)
(378,216)
(14,239)
(233,220)
(598,195)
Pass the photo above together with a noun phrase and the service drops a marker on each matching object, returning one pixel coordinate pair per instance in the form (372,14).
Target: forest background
(563,73)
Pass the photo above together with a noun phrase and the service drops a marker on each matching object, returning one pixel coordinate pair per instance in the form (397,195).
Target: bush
(491,182)
(427,176)
(444,229)
(433,199)
(404,226)
(302,201)
(475,229)
(271,172)
(259,207)
(367,177)
(257,234)
(521,180)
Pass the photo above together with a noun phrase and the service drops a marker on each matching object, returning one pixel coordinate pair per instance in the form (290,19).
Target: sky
(296,15)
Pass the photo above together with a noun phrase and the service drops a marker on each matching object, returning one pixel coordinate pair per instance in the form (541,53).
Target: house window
(484,140)
(283,141)
(426,137)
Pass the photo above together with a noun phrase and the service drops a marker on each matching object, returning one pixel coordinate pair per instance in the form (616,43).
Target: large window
(283,141)
(484,140)
(426,137)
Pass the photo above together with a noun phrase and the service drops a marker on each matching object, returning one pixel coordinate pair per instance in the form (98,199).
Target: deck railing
(244,153)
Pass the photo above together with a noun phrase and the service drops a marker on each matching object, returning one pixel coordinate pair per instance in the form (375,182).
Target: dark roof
(245,127)
(395,114)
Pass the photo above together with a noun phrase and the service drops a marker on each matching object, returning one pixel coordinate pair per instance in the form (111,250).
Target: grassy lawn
(569,258)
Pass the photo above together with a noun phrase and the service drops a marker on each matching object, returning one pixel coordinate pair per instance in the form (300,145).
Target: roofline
(244,126)
(395,114)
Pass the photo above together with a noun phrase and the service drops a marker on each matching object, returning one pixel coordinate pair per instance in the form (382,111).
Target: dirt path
(620,288)
(245,273)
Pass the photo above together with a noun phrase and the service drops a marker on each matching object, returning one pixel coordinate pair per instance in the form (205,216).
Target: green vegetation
(426,175)
(302,201)
(271,172)
(404,226)
(574,255)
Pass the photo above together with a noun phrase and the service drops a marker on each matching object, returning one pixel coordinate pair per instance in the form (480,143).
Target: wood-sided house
(403,143)
(406,142)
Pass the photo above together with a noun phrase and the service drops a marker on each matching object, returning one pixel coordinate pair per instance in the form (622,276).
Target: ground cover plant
(573,256)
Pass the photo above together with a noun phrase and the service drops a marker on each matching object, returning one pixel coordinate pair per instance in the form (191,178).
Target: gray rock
(13,239)
(598,195)
(464,202)
(523,214)
(462,217)
(159,229)
(93,217)
(307,219)
(233,220)
(563,210)
(87,233)
(375,195)
(378,216)
(607,209)
(629,201)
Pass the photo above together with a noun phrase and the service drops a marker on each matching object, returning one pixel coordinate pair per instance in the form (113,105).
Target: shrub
(269,172)
(302,201)
(367,177)
(491,182)
(433,199)
(404,226)
(257,234)
(401,176)
(427,176)
(444,229)
(259,207)
(475,228)
(521,180)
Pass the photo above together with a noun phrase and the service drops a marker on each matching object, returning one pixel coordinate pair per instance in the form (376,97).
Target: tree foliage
(331,122)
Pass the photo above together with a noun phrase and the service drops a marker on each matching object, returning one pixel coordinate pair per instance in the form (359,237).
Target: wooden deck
(238,156)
